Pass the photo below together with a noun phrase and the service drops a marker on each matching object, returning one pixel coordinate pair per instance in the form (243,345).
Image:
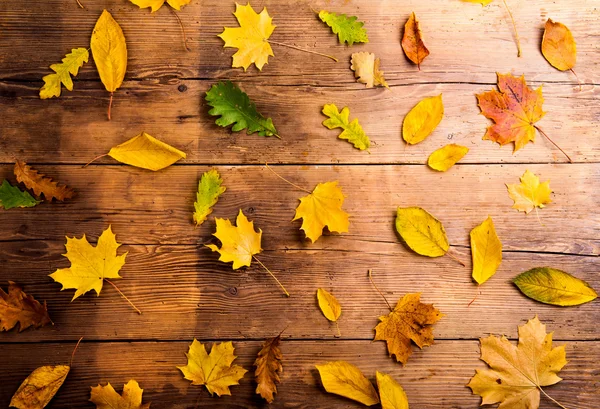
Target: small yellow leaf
(422,232)
(38,389)
(482,2)
(390,392)
(446,157)
(109,51)
(486,251)
(156,4)
(552,286)
(558,46)
(147,152)
(353,132)
(322,208)
(529,193)
(366,69)
(345,379)
(105,397)
(329,305)
(422,120)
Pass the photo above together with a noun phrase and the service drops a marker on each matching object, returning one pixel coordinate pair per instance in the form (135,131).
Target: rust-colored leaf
(268,368)
(40,184)
(412,41)
(18,307)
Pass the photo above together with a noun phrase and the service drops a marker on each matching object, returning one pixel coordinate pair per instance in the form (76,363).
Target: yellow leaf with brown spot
(530,193)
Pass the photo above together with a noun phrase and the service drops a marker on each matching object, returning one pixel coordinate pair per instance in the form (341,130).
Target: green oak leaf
(348,29)
(209,190)
(353,132)
(12,196)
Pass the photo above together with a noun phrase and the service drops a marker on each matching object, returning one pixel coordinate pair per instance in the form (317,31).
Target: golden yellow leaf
(517,374)
(552,286)
(446,157)
(482,2)
(366,69)
(558,46)
(145,151)
(69,65)
(352,131)
(238,243)
(422,232)
(390,392)
(109,51)
(18,307)
(38,389)
(530,193)
(486,251)
(90,265)
(156,4)
(422,120)
(329,305)
(105,397)
(268,368)
(250,38)
(214,370)
(410,320)
(412,41)
(345,379)
(322,208)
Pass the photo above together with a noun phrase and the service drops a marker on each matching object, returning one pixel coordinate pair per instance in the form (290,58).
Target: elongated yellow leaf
(147,152)
(109,51)
(156,4)
(390,392)
(422,120)
(552,286)
(329,305)
(345,379)
(446,157)
(38,389)
(422,232)
(558,46)
(486,251)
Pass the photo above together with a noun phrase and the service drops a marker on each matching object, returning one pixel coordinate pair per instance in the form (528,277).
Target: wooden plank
(74,128)
(185,292)
(434,378)
(468,43)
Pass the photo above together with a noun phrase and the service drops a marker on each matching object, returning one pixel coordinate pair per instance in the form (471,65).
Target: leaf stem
(79,4)
(110,101)
(123,295)
(302,49)
(287,181)
(182,29)
(272,275)
(515,28)
(95,159)
(476,295)
(578,80)
(379,291)
(550,397)
(453,257)
(559,148)
(339,333)
(73,353)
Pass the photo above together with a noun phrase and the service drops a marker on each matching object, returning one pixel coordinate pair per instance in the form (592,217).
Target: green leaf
(209,190)
(347,28)
(353,132)
(70,66)
(552,286)
(12,196)
(234,107)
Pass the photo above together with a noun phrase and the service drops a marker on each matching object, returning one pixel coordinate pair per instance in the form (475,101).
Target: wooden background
(184,292)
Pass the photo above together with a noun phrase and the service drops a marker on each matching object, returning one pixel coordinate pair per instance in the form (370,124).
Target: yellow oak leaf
(38,389)
(530,193)
(410,320)
(330,307)
(558,46)
(422,232)
(105,397)
(422,120)
(322,208)
(345,379)
(70,65)
(156,4)
(486,251)
(517,373)
(366,69)
(250,38)
(352,131)
(446,157)
(268,368)
(145,151)
(18,307)
(552,286)
(209,189)
(90,265)
(390,392)
(214,370)
(238,243)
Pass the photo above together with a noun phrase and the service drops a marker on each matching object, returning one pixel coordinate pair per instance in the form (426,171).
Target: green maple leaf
(353,132)
(209,190)
(70,66)
(12,196)
(348,29)
(235,108)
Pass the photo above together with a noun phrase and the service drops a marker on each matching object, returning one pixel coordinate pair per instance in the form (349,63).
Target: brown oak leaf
(39,183)
(18,307)
(268,368)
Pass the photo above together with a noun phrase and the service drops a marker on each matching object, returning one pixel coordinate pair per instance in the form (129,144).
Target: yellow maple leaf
(486,251)
(366,69)
(238,243)
(250,38)
(213,370)
(517,373)
(530,193)
(390,392)
(410,320)
(156,4)
(105,397)
(322,208)
(90,265)
(345,379)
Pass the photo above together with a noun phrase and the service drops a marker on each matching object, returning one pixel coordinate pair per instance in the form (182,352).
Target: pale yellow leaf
(145,151)
(366,69)
(530,193)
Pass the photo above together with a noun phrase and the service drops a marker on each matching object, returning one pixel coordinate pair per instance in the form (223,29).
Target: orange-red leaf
(18,307)
(412,41)
(268,368)
(39,183)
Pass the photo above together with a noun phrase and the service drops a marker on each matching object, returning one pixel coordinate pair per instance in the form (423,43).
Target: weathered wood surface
(433,378)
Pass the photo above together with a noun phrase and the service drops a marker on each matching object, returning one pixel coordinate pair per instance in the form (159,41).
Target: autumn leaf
(40,184)
(348,29)
(366,69)
(322,208)
(517,374)
(486,251)
(422,120)
(38,389)
(70,65)
(422,232)
(209,190)
(18,307)
(156,4)
(446,157)
(12,196)
(330,307)
(482,2)
(214,370)
(558,46)
(412,41)
(110,53)
(105,397)
(268,368)
(235,108)
(390,392)
(410,320)
(345,379)
(352,131)
(552,286)
(530,193)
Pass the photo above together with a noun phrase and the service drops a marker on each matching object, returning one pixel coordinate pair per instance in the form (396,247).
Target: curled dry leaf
(12,196)
(352,131)
(486,251)
(422,232)
(18,307)
(40,184)
(345,379)
(348,29)
(422,120)
(446,157)
(390,392)
(558,46)
(38,389)
(530,193)
(70,65)
(105,397)
(209,189)
(552,286)
(156,4)
(412,41)
(366,69)
(268,368)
